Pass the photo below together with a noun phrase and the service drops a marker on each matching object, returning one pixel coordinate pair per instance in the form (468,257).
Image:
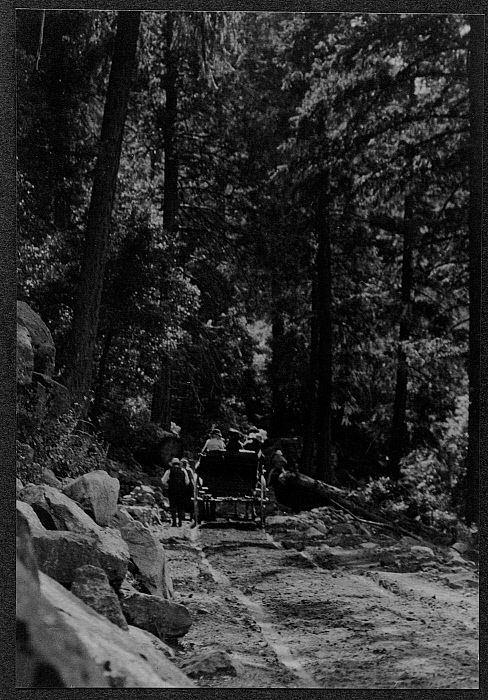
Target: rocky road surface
(298,606)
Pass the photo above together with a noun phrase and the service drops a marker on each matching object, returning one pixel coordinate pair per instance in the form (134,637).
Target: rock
(157,615)
(97,493)
(25,356)
(53,397)
(49,478)
(33,522)
(91,585)
(56,511)
(424,552)
(113,555)
(460,547)
(48,652)
(120,518)
(313,533)
(18,486)
(212,663)
(142,637)
(149,559)
(408,541)
(128,585)
(125,664)
(147,515)
(155,447)
(281,522)
(60,553)
(41,338)
(24,548)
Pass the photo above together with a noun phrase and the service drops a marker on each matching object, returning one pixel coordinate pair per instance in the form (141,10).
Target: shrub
(67,449)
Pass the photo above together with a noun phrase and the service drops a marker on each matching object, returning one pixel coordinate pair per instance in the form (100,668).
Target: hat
(184,461)
(258,437)
(175,460)
(233,430)
(216,431)
(279,452)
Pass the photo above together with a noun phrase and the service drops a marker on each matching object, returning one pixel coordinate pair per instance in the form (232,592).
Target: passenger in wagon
(215,442)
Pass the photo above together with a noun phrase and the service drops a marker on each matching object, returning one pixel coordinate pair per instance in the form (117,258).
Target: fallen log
(300,492)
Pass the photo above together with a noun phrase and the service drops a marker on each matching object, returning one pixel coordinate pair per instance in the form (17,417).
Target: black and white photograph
(248,305)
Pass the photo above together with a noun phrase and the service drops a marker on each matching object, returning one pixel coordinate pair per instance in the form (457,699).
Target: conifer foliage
(241,217)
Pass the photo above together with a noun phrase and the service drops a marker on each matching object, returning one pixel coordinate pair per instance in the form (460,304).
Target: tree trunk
(80,349)
(279,422)
(324,364)
(398,435)
(162,391)
(310,396)
(475,77)
(170,204)
(102,369)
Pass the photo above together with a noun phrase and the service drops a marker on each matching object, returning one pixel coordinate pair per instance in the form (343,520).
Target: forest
(261,218)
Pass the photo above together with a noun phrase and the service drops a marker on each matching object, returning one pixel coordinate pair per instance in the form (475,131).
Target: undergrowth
(65,448)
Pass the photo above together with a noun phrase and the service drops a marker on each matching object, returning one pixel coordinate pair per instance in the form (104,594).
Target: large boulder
(41,338)
(97,493)
(49,654)
(25,356)
(60,553)
(18,487)
(127,662)
(49,478)
(142,637)
(32,521)
(24,547)
(157,615)
(72,538)
(113,554)
(40,399)
(57,511)
(148,559)
(92,586)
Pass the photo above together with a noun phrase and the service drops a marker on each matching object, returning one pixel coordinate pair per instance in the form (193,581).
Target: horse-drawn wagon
(233,479)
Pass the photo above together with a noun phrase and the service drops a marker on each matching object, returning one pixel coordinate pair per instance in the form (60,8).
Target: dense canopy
(241,218)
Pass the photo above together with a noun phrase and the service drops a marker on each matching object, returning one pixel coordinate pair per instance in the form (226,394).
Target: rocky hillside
(95,600)
(94,596)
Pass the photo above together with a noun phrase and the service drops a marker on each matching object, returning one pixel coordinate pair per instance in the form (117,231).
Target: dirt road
(315,615)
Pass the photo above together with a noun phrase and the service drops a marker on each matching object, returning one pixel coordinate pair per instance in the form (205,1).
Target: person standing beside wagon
(176,480)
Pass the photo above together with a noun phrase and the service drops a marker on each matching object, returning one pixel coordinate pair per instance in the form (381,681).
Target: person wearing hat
(215,442)
(176,480)
(277,465)
(254,443)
